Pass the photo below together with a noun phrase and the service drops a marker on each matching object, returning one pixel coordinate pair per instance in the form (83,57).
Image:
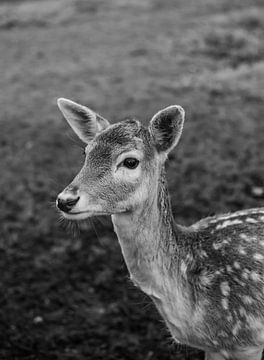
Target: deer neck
(148,237)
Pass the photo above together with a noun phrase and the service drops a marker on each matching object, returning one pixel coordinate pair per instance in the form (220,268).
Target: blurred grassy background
(67,296)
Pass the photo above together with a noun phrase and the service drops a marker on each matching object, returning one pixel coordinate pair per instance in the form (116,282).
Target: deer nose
(67,202)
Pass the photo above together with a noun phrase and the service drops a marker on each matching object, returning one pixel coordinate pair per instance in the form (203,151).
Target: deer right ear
(84,122)
(166,127)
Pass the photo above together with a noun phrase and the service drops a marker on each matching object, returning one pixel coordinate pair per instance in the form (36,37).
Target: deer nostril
(67,204)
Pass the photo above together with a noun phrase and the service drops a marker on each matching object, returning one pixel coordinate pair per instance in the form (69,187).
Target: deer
(207,279)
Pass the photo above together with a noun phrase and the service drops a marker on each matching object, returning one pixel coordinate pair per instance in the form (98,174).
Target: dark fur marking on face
(120,133)
(125,134)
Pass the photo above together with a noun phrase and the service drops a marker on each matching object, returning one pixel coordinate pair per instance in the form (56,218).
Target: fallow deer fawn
(206,280)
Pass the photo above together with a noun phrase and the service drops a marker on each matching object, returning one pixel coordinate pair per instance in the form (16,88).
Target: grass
(66,295)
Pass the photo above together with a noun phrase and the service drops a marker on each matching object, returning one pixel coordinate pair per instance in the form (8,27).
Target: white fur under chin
(87,214)
(80,216)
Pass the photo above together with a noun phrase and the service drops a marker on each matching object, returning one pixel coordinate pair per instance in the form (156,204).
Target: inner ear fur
(166,127)
(84,121)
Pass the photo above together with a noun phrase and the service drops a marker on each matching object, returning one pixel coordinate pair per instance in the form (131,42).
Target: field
(66,295)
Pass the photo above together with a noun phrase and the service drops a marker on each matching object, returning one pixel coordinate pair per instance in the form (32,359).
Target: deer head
(123,161)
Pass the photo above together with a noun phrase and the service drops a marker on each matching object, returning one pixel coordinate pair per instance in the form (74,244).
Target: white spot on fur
(225,288)
(247,299)
(245,237)
(223,334)
(236,328)
(206,279)
(229,269)
(254,276)
(237,214)
(251,220)
(239,281)
(229,318)
(183,267)
(224,302)
(261,218)
(242,311)
(218,272)
(245,274)
(189,257)
(236,265)
(228,223)
(258,257)
(241,250)
(225,353)
(217,246)
(203,253)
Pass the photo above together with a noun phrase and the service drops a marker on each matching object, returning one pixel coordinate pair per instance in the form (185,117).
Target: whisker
(96,233)
(103,220)
(74,228)
(60,220)
(69,225)
(52,203)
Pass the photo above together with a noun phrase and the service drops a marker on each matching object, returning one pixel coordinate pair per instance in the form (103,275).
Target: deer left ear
(84,122)
(166,127)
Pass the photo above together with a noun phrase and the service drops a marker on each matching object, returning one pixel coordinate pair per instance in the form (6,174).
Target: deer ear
(84,122)
(166,127)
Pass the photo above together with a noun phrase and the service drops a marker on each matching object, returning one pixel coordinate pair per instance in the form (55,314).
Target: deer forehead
(119,138)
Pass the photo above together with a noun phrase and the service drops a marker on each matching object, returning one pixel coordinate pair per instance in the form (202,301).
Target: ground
(66,294)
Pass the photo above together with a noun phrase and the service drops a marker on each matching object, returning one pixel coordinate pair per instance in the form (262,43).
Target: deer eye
(130,163)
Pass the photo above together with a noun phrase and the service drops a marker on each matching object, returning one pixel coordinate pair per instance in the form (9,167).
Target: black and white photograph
(132,180)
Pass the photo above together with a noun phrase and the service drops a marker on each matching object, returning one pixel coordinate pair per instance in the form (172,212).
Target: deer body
(207,292)
(206,280)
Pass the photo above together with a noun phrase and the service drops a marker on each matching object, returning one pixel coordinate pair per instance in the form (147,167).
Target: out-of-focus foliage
(66,295)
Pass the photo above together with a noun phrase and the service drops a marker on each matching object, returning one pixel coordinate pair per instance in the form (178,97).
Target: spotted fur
(206,280)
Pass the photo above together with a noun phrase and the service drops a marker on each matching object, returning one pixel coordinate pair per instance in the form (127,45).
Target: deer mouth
(81,215)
